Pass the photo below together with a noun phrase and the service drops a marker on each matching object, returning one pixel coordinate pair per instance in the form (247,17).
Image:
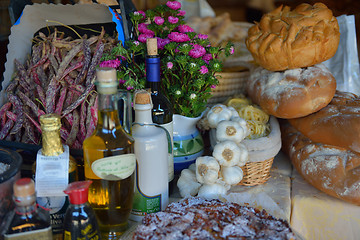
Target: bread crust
(285,39)
(331,169)
(292,93)
(336,124)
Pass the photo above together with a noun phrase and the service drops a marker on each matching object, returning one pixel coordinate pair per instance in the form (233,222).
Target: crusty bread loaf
(337,124)
(292,93)
(286,39)
(331,169)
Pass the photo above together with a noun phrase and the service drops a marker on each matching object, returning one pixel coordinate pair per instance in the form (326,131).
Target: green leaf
(190,145)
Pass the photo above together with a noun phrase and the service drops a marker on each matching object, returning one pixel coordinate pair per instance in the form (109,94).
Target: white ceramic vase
(188,142)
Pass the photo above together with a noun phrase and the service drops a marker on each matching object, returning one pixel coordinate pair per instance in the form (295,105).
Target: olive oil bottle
(109,161)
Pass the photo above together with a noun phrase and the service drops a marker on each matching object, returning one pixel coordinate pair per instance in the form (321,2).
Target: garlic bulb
(234,113)
(242,123)
(232,175)
(227,153)
(188,184)
(211,191)
(207,169)
(244,155)
(230,130)
(218,113)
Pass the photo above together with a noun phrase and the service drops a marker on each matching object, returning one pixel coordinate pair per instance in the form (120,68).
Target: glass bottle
(151,151)
(55,168)
(80,220)
(27,221)
(109,161)
(162,112)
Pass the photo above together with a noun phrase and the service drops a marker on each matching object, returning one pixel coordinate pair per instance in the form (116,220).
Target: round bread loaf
(285,39)
(291,93)
(336,124)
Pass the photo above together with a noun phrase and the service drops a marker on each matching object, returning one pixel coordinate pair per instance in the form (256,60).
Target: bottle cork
(142,97)
(106,80)
(151,45)
(24,187)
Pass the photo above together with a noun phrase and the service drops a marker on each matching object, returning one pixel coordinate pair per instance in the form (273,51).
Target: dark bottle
(80,220)
(162,112)
(27,221)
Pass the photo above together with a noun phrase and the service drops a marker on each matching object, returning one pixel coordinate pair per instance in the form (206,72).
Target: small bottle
(55,168)
(80,220)
(27,221)
(162,112)
(151,150)
(109,161)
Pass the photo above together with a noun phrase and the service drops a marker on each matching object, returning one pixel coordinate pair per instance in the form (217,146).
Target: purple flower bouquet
(188,61)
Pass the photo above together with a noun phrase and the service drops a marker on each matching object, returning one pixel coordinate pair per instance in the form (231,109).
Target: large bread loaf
(331,169)
(336,124)
(286,39)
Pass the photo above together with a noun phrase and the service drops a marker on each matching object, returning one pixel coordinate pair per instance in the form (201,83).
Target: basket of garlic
(244,142)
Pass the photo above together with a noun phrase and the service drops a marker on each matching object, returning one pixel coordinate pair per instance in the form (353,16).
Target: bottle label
(87,232)
(52,174)
(41,234)
(169,128)
(143,204)
(115,167)
(57,207)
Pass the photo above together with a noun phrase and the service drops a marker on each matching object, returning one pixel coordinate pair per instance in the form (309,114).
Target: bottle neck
(25,205)
(108,111)
(51,142)
(153,72)
(143,113)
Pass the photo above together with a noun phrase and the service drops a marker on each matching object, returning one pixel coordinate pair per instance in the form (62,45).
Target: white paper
(52,174)
(345,64)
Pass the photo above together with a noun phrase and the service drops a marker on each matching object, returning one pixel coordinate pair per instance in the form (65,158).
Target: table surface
(311,213)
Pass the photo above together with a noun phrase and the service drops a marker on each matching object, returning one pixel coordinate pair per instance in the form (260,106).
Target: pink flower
(202,36)
(178,37)
(207,57)
(129,87)
(142,37)
(204,70)
(169,65)
(232,50)
(143,29)
(110,63)
(162,42)
(197,52)
(140,12)
(181,13)
(213,86)
(172,19)
(122,58)
(136,43)
(184,28)
(159,20)
(175,5)
(122,81)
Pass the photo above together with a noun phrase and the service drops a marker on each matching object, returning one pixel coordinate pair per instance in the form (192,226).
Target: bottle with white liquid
(151,151)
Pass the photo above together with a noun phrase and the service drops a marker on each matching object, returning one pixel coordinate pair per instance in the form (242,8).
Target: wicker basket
(230,84)
(256,173)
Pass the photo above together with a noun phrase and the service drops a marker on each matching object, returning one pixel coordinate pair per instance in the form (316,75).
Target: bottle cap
(24,187)
(50,122)
(106,80)
(151,45)
(78,191)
